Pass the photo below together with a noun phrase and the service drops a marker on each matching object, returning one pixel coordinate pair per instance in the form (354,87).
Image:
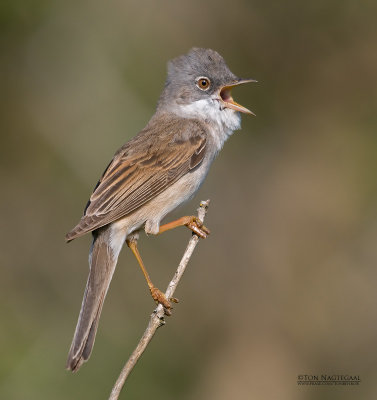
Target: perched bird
(159,169)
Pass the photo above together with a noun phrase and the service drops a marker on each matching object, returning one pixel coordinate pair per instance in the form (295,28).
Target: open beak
(227,99)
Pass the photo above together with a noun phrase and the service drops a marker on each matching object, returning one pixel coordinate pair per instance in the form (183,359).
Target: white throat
(223,121)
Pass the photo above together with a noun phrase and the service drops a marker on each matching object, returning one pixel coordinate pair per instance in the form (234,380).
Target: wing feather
(136,176)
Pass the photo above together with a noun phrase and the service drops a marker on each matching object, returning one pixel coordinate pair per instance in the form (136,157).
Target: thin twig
(157,317)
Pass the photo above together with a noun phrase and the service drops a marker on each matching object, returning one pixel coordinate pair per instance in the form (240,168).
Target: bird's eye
(203,83)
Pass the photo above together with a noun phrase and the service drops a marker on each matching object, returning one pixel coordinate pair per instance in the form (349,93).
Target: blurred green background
(286,283)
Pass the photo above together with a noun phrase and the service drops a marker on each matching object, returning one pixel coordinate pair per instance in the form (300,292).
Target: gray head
(201,74)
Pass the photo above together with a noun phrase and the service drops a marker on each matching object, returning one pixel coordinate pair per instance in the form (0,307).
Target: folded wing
(143,168)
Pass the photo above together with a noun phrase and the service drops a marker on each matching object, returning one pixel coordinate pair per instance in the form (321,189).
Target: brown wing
(142,169)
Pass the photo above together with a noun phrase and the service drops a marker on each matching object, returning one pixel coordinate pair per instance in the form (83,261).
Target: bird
(160,168)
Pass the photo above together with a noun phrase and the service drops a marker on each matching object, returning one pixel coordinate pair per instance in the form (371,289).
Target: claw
(173,300)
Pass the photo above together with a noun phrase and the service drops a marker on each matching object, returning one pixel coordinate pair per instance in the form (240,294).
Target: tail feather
(102,266)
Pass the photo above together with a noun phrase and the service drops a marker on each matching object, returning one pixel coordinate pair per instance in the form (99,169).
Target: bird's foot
(196,225)
(160,298)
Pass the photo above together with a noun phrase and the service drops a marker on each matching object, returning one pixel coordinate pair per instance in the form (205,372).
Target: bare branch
(157,317)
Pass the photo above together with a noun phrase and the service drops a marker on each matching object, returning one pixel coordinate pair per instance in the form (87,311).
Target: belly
(177,194)
(156,209)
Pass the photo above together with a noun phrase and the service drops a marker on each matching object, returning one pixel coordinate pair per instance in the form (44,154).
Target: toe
(205,229)
(160,298)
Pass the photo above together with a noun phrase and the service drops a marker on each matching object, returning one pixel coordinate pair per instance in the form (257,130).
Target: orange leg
(157,295)
(191,222)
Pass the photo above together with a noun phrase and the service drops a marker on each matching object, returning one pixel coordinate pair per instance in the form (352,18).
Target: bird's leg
(191,222)
(157,295)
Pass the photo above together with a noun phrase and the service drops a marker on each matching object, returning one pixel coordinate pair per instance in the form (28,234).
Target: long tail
(102,266)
